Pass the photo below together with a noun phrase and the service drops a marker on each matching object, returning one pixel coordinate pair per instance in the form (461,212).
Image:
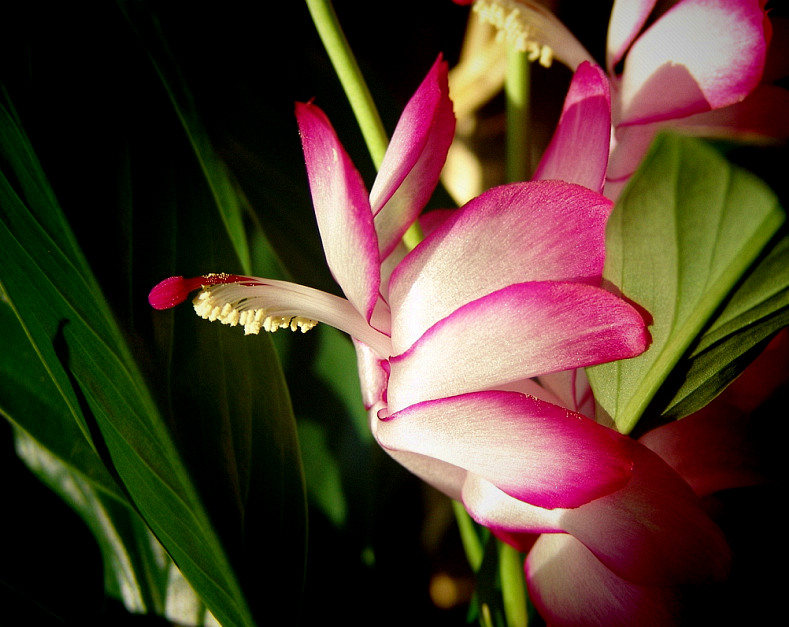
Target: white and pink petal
(518,332)
(653,531)
(578,150)
(698,56)
(534,451)
(413,161)
(570,587)
(535,231)
(342,210)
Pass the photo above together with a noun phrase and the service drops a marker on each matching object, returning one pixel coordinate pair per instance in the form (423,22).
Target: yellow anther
(207,306)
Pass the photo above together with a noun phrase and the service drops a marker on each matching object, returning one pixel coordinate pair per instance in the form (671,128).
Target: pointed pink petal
(521,331)
(578,152)
(413,162)
(569,586)
(536,231)
(699,55)
(343,213)
(532,450)
(653,531)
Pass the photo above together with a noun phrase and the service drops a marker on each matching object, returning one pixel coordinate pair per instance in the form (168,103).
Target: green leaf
(221,186)
(757,310)
(682,237)
(28,397)
(91,378)
(71,329)
(136,577)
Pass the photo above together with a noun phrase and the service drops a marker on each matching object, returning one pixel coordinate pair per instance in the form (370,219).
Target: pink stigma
(173,291)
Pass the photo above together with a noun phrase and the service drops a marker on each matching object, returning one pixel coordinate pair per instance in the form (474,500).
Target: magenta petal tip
(169,293)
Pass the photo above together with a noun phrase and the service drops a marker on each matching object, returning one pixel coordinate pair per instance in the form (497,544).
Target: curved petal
(570,586)
(578,151)
(653,531)
(535,451)
(342,210)
(535,231)
(761,115)
(507,517)
(518,332)
(627,19)
(699,55)
(412,163)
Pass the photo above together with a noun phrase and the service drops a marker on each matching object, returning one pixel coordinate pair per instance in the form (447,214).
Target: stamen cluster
(211,308)
(510,18)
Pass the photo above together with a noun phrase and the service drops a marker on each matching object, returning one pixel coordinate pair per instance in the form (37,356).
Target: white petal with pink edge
(532,450)
(535,231)
(518,332)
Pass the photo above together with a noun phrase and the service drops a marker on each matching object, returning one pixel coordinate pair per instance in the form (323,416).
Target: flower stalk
(517,94)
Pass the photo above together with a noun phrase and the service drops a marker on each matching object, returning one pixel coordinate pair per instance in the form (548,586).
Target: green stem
(517,92)
(353,83)
(468,536)
(513,592)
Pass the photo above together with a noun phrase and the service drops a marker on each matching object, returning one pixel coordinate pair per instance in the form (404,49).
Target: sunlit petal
(510,234)
(412,164)
(342,210)
(699,55)
(569,586)
(520,331)
(627,19)
(533,450)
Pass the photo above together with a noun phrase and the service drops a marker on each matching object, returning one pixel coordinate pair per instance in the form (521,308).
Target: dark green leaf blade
(757,310)
(71,329)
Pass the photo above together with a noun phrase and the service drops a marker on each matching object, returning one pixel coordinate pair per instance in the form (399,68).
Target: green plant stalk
(513,592)
(517,94)
(351,79)
(468,536)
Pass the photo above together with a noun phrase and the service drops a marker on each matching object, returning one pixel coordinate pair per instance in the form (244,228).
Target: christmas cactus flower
(469,345)
(504,289)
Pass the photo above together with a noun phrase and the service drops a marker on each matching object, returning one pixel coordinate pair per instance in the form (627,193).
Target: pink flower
(450,334)
(469,345)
